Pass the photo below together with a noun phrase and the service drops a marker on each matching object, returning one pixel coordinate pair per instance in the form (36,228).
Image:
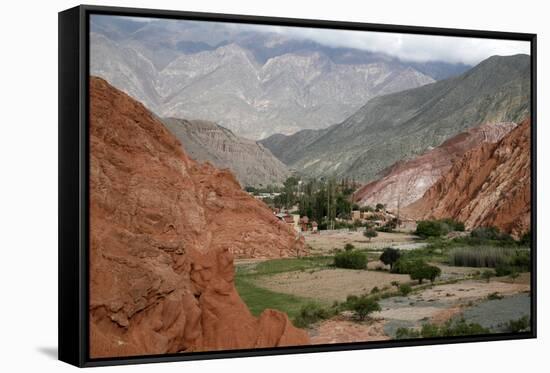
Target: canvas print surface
(256,186)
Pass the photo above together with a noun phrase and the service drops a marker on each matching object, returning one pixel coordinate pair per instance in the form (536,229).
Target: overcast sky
(418,48)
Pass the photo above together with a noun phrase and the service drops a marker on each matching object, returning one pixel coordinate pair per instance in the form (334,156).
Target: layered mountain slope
(163,233)
(406,181)
(254,94)
(250,162)
(403,125)
(489,186)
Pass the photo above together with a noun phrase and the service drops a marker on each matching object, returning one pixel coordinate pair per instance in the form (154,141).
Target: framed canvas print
(235,186)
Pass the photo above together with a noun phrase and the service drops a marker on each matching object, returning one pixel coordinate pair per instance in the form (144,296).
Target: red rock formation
(406,181)
(489,186)
(163,232)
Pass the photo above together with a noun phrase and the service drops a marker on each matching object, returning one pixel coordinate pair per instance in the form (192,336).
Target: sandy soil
(329,284)
(341,330)
(470,290)
(324,242)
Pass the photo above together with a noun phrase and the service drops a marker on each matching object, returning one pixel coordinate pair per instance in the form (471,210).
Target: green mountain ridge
(402,125)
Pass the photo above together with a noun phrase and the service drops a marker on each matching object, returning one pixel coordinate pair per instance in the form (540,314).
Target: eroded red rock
(406,181)
(163,233)
(489,186)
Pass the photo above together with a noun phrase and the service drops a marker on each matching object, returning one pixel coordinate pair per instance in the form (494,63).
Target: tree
(433,272)
(390,256)
(370,233)
(421,271)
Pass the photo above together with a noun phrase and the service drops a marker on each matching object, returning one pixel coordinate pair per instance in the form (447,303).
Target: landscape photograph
(260,187)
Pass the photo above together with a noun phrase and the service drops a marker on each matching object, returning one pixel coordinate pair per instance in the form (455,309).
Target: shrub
(375,290)
(404,265)
(351,260)
(395,283)
(362,306)
(438,228)
(494,296)
(450,329)
(487,274)
(525,240)
(349,247)
(405,289)
(423,271)
(503,270)
(370,233)
(390,256)
(454,225)
(519,325)
(311,313)
(407,333)
(380,206)
(431,228)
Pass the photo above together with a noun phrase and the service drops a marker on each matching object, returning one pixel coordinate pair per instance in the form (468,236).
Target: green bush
(487,274)
(405,289)
(390,256)
(311,313)
(362,306)
(431,228)
(349,247)
(437,228)
(451,328)
(404,265)
(519,325)
(370,233)
(351,260)
(423,271)
(526,239)
(494,296)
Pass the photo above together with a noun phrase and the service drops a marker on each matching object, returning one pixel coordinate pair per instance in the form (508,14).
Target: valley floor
(459,293)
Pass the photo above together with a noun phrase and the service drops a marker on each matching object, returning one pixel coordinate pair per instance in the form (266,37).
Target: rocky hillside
(489,186)
(255,84)
(406,181)
(163,233)
(250,162)
(404,125)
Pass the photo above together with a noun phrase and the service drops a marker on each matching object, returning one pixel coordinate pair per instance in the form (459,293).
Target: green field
(258,299)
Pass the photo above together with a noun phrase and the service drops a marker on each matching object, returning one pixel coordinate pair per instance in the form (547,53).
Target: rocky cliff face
(163,233)
(250,162)
(489,186)
(406,181)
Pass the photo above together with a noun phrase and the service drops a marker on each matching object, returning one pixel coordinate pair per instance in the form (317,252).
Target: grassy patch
(272,267)
(258,299)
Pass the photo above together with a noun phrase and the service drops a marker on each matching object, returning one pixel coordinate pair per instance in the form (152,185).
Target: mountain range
(253,83)
(403,125)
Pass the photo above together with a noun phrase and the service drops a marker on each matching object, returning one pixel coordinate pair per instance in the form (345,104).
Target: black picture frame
(73,182)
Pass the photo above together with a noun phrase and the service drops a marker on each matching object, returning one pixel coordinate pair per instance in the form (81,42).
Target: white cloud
(417,48)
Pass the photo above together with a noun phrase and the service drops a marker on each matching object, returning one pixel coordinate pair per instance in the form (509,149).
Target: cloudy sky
(417,48)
